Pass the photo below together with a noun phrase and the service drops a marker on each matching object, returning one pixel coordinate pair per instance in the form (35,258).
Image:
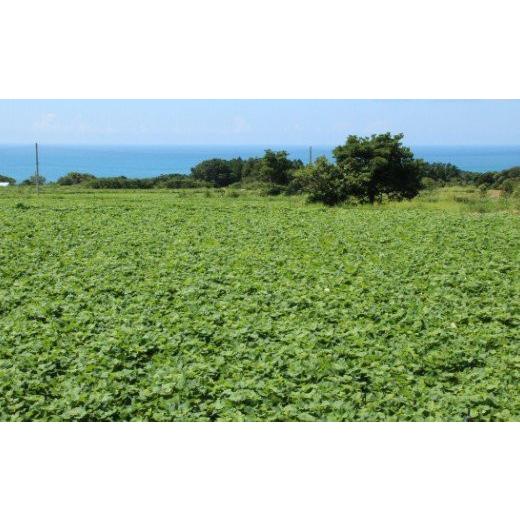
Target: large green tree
(378,165)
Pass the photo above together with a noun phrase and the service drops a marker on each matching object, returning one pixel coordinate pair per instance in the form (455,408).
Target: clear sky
(274,122)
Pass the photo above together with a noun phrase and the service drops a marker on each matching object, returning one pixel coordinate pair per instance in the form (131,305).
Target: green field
(162,305)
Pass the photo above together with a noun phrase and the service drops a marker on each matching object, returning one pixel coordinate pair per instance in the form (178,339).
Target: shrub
(75,178)
(442,173)
(295,187)
(324,182)
(31,181)
(179,181)
(276,168)
(217,172)
(119,183)
(429,184)
(508,187)
(274,189)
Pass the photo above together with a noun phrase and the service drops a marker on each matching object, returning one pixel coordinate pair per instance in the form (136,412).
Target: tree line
(364,168)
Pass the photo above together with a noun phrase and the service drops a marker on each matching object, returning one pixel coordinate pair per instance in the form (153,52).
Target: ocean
(17,161)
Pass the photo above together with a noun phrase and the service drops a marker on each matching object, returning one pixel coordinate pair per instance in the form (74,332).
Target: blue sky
(274,122)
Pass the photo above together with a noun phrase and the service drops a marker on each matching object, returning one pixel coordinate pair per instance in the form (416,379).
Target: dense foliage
(178,181)
(366,168)
(33,180)
(446,174)
(274,168)
(277,168)
(379,165)
(174,180)
(324,182)
(75,178)
(496,180)
(121,182)
(178,306)
(218,172)
(442,173)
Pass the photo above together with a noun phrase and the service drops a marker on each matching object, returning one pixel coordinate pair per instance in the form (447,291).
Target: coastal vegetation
(364,169)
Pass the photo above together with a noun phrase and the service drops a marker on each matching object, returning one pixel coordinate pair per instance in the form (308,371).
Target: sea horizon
(150,160)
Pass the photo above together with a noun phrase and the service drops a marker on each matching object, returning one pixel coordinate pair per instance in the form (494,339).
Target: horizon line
(328,145)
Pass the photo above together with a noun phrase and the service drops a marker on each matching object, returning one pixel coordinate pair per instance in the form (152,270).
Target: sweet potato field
(177,306)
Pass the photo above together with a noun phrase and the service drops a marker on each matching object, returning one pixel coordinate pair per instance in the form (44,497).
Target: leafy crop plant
(148,306)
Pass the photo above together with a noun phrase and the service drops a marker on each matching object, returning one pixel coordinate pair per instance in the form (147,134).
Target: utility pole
(310,154)
(37,171)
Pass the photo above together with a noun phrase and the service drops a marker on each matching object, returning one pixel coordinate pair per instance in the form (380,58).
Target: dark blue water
(147,161)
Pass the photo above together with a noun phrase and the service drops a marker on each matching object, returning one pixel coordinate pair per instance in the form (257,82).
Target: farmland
(214,305)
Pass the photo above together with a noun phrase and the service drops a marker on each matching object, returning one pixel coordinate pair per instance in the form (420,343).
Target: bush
(73,178)
(274,189)
(323,181)
(442,173)
(31,181)
(429,184)
(120,183)
(179,181)
(508,187)
(295,187)
(169,181)
(217,172)
(276,168)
